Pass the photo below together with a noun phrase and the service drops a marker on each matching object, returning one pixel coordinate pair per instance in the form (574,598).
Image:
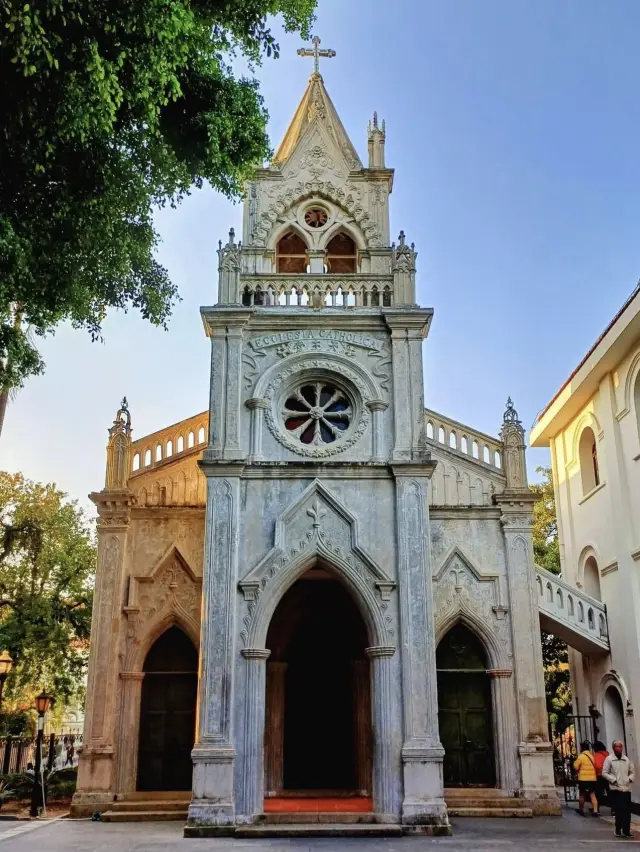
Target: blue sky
(513,128)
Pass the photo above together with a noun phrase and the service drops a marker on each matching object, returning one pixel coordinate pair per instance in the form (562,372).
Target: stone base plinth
(84,805)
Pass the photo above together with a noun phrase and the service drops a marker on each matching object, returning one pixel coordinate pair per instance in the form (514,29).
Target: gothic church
(318,590)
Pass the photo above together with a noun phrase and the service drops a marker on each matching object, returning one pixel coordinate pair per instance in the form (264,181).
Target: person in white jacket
(619,771)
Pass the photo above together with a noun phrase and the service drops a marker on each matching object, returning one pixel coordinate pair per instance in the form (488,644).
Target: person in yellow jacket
(585,766)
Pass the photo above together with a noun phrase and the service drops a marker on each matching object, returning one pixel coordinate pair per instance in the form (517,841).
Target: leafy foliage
(547,555)
(47,567)
(108,109)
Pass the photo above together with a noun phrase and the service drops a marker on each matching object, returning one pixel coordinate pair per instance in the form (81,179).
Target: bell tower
(317,462)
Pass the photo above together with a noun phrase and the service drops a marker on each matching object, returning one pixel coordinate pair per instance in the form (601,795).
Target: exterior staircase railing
(569,613)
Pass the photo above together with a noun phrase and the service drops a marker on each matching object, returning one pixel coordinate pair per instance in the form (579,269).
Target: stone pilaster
(96,773)
(274,728)
(422,752)
(213,802)
(129,730)
(503,717)
(257,407)
(377,407)
(232,446)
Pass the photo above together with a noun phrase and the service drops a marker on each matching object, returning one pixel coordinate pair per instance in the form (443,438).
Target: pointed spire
(514,459)
(317,107)
(376,140)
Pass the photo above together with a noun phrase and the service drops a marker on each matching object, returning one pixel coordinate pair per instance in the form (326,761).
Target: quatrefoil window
(317,413)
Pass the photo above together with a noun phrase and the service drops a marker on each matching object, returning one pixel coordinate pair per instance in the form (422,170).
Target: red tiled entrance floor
(344,805)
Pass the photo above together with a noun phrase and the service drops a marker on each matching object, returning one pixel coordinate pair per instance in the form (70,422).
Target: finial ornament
(510,414)
(118,448)
(316,53)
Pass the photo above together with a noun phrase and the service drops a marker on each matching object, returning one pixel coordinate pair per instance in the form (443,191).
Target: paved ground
(569,833)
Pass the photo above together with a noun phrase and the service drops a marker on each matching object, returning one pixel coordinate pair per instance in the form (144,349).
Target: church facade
(318,587)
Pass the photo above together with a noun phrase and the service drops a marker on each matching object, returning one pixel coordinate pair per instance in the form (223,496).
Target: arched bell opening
(168,713)
(318,739)
(465,710)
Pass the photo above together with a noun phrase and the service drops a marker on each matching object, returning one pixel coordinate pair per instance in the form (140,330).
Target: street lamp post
(43,702)
(6,664)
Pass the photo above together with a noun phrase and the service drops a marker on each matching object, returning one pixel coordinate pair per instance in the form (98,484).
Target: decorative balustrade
(468,442)
(318,291)
(571,614)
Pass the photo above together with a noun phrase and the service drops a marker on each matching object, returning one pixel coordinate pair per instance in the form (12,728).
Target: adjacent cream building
(592,427)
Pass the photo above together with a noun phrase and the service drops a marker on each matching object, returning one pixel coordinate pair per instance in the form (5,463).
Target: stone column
(251,782)
(257,407)
(360,672)
(274,728)
(129,731)
(377,406)
(383,774)
(96,773)
(422,752)
(401,394)
(213,803)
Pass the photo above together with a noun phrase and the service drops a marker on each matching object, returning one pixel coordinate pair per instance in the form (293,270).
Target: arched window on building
(169,450)
(589,468)
(201,435)
(591,578)
(136,461)
(180,444)
(147,458)
(341,254)
(190,440)
(291,254)
(159,453)
(636,400)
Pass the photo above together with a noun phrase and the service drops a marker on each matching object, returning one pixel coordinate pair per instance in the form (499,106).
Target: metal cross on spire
(316,53)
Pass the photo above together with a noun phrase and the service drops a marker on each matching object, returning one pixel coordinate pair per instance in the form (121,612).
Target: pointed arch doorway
(318,739)
(168,713)
(464,710)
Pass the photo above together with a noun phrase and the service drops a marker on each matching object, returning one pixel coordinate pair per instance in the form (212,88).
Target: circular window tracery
(316,217)
(317,413)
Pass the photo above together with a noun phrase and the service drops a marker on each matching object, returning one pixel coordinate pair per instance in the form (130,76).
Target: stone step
(308,817)
(310,829)
(155,795)
(144,816)
(149,805)
(475,793)
(483,812)
(473,802)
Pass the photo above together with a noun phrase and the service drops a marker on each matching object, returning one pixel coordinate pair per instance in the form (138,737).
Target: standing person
(600,754)
(620,773)
(585,766)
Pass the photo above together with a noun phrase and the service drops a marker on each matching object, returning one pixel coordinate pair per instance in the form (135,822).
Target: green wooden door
(464,700)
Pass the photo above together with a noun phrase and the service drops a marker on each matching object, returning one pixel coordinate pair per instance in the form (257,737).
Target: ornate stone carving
(512,435)
(460,588)
(172,588)
(292,196)
(334,372)
(316,524)
(118,449)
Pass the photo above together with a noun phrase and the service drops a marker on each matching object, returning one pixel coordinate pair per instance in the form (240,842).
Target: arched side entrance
(464,710)
(318,737)
(613,712)
(168,713)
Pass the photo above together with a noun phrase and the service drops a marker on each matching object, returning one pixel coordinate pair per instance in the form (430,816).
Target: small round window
(316,217)
(317,413)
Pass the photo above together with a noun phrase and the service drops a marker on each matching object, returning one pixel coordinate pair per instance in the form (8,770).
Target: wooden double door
(168,714)
(464,711)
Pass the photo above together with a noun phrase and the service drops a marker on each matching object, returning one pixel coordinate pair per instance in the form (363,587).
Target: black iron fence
(17,754)
(566,745)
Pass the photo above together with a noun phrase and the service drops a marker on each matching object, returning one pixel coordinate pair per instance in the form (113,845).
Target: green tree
(47,569)
(110,108)
(547,554)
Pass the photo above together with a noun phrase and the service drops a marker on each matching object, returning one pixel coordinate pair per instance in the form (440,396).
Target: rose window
(316,217)
(317,413)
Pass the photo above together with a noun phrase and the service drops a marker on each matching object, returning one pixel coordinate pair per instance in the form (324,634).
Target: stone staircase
(571,614)
(149,807)
(482,802)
